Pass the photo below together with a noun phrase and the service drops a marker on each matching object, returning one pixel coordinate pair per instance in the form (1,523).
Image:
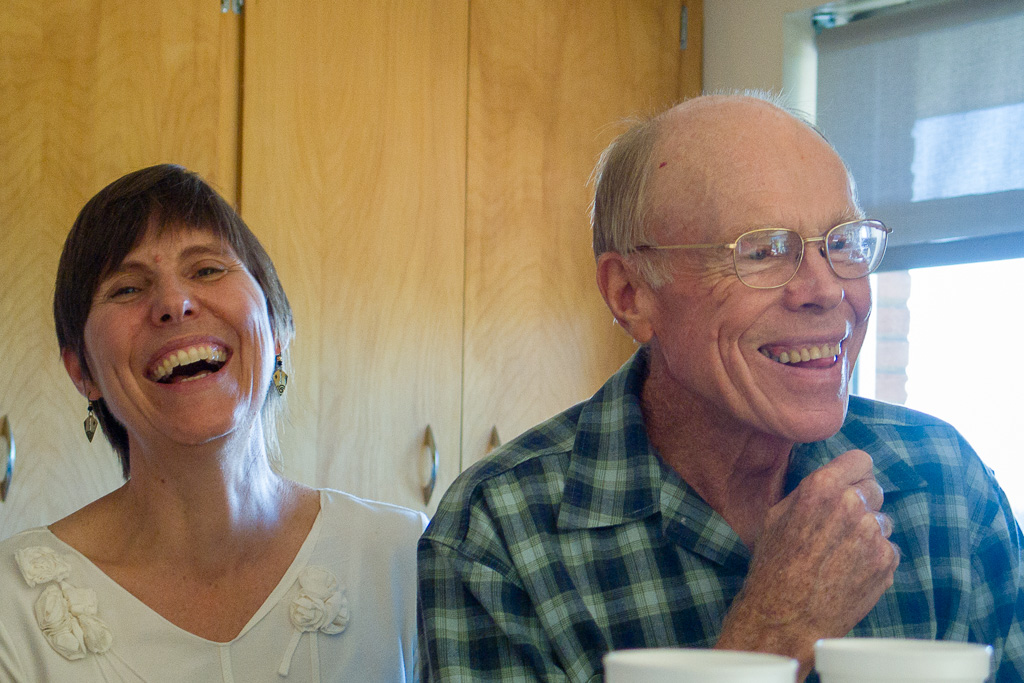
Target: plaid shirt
(574,539)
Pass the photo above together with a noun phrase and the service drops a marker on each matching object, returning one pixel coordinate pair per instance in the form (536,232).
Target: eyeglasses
(765,259)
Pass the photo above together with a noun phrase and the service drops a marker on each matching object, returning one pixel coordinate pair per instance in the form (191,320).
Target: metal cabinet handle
(494,441)
(7,461)
(431,445)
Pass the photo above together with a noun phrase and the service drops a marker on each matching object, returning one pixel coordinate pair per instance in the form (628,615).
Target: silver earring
(90,424)
(280,376)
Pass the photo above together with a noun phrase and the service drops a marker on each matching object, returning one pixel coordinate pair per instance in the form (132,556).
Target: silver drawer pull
(6,460)
(430,445)
(494,441)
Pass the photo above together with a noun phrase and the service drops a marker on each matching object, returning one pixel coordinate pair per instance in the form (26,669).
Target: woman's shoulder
(338,506)
(33,558)
(30,561)
(20,552)
(27,537)
(367,533)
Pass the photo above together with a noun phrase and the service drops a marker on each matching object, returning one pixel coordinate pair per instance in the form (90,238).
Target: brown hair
(114,222)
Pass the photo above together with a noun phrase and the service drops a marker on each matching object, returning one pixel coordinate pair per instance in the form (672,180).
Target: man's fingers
(884,523)
(871,493)
(851,467)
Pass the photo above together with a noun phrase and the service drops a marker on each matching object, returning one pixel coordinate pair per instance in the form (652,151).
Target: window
(924,99)
(946,340)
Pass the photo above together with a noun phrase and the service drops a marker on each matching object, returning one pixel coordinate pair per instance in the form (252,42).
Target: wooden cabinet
(548,82)
(416,169)
(88,92)
(353,168)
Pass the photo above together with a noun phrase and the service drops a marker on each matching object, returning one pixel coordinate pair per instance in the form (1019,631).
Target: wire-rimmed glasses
(769,258)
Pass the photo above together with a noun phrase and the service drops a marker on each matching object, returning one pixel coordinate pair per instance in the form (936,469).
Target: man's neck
(738,471)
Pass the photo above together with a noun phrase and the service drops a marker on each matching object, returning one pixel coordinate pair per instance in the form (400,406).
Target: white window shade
(926,105)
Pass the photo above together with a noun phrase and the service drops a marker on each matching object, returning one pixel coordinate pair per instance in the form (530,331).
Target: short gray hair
(618,213)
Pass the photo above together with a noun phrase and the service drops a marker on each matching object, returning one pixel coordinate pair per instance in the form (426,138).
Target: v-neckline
(283,586)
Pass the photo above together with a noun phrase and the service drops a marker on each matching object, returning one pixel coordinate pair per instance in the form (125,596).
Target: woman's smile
(188,362)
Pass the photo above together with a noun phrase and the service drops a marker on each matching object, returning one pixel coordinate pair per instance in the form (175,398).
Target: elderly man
(722,489)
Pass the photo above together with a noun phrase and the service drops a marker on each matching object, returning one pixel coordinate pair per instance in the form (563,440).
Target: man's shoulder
(530,466)
(875,412)
(921,446)
(901,427)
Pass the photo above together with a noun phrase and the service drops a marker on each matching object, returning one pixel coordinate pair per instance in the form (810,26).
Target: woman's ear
(79,375)
(626,293)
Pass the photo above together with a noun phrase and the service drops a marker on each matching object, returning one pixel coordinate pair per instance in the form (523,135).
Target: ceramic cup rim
(898,657)
(697,660)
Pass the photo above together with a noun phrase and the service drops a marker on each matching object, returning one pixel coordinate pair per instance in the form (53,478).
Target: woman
(207,565)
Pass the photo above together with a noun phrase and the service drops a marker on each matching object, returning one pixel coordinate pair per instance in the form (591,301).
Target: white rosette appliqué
(41,565)
(66,614)
(320,605)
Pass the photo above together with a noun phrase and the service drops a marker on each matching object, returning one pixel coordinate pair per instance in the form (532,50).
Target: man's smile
(799,354)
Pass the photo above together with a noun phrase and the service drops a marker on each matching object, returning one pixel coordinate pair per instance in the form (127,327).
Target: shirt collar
(614,474)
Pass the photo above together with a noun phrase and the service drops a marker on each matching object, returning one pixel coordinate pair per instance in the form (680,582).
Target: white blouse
(344,610)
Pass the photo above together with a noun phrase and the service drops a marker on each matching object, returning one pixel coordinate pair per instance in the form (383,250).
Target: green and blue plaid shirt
(574,539)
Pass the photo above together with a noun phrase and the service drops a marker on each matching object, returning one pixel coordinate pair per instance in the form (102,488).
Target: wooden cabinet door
(88,92)
(548,79)
(353,174)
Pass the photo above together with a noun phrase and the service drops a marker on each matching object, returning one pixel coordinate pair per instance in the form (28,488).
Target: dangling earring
(90,424)
(280,376)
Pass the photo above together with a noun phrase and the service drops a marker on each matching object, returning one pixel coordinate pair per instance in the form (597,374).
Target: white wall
(744,47)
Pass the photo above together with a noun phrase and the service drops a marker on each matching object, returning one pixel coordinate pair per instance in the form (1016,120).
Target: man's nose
(815,283)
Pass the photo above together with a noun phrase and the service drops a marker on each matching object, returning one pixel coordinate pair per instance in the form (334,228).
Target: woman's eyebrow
(134,265)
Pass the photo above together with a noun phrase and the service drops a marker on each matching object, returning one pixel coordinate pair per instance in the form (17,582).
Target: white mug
(690,665)
(901,660)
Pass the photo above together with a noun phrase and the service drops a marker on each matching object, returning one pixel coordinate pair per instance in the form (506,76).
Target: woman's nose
(172,303)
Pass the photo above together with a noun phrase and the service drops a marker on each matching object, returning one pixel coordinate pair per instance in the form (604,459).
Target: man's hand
(821,563)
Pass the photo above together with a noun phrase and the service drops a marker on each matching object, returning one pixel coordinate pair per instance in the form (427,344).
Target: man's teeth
(192,354)
(802,355)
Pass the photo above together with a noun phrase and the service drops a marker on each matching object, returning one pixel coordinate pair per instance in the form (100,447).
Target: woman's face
(179,343)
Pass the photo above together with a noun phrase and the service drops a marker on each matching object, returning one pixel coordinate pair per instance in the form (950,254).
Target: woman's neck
(211,504)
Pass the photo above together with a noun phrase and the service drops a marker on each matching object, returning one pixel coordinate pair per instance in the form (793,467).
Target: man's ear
(79,375)
(626,293)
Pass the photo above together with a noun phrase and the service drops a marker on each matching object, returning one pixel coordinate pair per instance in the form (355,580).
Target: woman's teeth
(183,357)
(802,355)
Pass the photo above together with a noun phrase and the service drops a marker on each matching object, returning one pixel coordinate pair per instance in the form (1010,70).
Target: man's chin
(808,427)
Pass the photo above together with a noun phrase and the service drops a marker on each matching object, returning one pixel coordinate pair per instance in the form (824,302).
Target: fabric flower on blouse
(41,565)
(65,613)
(62,630)
(320,605)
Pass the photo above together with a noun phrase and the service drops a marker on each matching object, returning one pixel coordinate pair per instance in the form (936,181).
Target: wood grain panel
(88,92)
(354,172)
(548,81)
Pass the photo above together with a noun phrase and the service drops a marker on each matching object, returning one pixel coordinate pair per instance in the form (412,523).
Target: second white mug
(691,665)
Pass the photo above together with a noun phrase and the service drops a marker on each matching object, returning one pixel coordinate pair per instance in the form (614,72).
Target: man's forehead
(724,130)
(733,162)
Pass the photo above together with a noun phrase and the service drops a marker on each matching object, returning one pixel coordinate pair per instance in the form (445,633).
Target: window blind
(925,102)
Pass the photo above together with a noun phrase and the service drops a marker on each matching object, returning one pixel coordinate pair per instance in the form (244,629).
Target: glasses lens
(767,258)
(855,249)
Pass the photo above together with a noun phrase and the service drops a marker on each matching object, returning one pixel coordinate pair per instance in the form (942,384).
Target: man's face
(719,342)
